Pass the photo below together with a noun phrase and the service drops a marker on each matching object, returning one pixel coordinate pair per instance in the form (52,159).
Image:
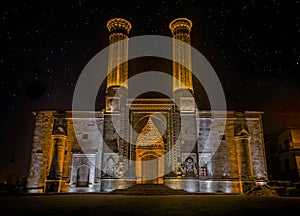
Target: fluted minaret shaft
(182,62)
(118,52)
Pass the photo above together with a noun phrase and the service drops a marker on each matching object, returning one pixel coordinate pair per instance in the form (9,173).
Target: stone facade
(147,140)
(83,164)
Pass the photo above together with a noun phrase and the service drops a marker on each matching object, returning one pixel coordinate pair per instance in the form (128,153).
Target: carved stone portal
(149,155)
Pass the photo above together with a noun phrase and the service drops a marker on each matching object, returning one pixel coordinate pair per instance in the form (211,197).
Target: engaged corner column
(59,143)
(56,160)
(242,142)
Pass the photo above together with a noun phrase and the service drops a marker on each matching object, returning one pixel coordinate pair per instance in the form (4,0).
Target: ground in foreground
(108,204)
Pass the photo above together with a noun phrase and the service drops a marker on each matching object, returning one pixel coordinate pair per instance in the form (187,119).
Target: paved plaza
(109,204)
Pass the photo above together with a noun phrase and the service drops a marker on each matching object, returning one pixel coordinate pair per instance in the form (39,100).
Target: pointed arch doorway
(149,155)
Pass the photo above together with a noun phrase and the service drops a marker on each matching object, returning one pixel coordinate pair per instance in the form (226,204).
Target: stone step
(149,189)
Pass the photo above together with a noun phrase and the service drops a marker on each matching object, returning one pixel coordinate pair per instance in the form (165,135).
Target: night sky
(252,45)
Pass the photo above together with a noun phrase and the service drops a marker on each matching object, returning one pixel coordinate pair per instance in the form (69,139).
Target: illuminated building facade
(149,149)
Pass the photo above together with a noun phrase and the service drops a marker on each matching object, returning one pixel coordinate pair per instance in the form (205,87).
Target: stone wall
(40,151)
(216,149)
(86,140)
(257,147)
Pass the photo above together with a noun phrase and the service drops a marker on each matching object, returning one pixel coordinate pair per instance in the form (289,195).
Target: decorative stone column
(59,144)
(245,171)
(56,161)
(242,141)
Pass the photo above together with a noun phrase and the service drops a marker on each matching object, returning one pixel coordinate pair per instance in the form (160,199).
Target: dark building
(283,154)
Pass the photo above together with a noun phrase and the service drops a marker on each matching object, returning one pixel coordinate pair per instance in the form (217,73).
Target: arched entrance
(149,170)
(149,155)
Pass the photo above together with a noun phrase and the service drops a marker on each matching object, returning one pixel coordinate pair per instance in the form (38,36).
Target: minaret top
(181,23)
(118,24)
